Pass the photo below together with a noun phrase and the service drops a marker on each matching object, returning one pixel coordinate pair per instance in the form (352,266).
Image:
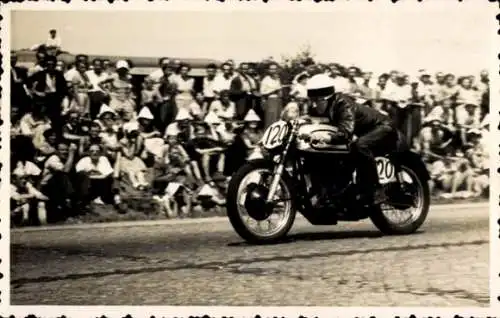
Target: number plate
(275,135)
(385,170)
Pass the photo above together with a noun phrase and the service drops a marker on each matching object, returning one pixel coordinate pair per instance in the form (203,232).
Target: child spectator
(251,136)
(291,111)
(149,136)
(174,176)
(131,164)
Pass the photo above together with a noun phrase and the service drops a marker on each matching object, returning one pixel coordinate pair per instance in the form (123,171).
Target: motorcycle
(291,176)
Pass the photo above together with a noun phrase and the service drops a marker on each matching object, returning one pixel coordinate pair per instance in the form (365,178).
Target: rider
(375,132)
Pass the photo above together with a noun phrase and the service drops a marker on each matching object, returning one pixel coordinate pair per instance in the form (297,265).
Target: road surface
(203,262)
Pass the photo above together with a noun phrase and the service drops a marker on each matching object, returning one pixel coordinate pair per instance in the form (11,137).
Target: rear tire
(233,211)
(380,220)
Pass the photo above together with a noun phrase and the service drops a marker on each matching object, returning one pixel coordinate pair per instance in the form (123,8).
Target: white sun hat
(251,116)
(211,118)
(131,126)
(145,113)
(122,64)
(104,110)
(172,130)
(183,114)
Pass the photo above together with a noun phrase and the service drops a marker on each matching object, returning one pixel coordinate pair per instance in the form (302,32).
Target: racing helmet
(320,85)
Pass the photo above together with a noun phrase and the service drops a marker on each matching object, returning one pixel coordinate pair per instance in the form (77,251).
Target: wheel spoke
(281,211)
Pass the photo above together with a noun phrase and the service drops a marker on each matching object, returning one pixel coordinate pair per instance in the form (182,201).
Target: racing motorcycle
(298,171)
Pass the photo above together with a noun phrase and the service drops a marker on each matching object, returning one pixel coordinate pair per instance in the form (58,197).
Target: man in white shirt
(208,84)
(96,94)
(53,43)
(222,81)
(96,176)
(157,74)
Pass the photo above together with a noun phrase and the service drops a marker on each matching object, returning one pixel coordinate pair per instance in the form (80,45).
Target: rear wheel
(254,220)
(393,219)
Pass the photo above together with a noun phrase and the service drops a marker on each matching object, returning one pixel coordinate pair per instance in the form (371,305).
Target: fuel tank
(318,130)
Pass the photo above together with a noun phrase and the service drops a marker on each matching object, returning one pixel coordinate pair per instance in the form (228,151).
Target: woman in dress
(184,85)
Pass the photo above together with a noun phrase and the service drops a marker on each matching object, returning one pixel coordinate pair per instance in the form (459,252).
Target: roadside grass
(145,208)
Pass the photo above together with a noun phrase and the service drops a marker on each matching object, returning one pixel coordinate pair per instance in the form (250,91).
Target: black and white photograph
(336,158)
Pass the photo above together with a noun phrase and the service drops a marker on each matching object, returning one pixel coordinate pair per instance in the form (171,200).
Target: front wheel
(393,220)
(247,210)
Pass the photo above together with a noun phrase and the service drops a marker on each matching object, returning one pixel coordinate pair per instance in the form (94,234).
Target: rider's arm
(345,112)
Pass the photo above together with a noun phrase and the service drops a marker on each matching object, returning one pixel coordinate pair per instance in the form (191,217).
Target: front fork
(278,171)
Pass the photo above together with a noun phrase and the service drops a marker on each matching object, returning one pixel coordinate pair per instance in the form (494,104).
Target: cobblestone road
(445,264)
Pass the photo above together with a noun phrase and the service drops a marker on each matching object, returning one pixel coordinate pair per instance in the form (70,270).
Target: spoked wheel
(251,217)
(406,211)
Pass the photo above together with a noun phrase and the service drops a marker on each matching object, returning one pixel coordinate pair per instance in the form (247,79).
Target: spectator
(97,95)
(80,84)
(149,135)
(241,89)
(222,82)
(196,106)
(467,119)
(96,178)
(364,87)
(156,75)
(223,106)
(185,87)
(341,83)
(251,135)
(166,109)
(57,183)
(75,129)
(49,88)
(19,94)
(271,93)
(53,43)
(466,95)
(122,99)
(149,95)
(130,162)
(94,137)
(39,64)
(208,85)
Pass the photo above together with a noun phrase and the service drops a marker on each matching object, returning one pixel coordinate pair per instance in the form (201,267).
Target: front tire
(234,208)
(388,227)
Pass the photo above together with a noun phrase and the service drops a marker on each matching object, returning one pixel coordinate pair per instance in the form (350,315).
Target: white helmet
(320,85)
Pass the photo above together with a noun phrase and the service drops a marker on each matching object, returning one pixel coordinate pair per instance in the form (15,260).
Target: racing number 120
(274,134)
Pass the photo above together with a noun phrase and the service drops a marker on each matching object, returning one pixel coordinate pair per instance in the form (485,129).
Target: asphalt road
(206,263)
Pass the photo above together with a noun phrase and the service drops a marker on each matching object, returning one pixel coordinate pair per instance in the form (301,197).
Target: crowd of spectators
(79,131)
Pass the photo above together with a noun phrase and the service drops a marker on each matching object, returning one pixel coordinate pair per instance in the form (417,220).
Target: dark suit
(18,96)
(51,101)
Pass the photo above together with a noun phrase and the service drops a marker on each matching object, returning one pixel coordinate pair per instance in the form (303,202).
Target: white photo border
(171,311)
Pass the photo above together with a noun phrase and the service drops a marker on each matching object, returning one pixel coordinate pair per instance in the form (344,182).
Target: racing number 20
(385,169)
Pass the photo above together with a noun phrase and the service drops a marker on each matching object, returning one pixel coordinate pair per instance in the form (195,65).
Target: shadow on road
(322,236)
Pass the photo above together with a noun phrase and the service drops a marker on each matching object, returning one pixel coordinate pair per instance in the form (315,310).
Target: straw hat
(122,64)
